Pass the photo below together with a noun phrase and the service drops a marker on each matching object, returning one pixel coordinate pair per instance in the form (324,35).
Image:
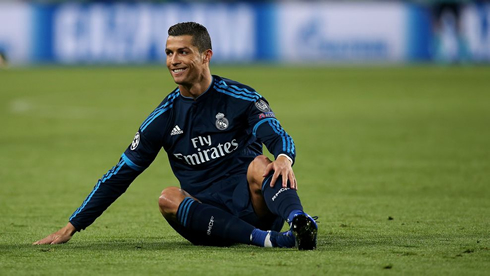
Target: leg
(169,203)
(205,224)
(280,201)
(266,200)
(255,179)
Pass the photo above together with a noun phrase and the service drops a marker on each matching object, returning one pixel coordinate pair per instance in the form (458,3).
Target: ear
(207,56)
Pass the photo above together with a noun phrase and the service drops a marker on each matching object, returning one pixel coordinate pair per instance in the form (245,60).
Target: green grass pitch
(394,160)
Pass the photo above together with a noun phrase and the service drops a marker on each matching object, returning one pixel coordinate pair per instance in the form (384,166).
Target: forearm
(112,185)
(275,138)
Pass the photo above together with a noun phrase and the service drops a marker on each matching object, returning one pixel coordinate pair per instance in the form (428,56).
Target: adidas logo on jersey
(176,131)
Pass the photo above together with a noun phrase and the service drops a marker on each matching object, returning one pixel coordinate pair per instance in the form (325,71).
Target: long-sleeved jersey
(206,139)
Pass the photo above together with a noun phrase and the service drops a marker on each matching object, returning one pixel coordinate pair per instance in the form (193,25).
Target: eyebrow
(183,48)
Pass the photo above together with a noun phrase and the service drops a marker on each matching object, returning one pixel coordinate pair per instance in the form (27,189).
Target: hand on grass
(61,236)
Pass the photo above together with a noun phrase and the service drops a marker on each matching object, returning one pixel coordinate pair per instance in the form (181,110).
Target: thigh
(233,195)
(230,194)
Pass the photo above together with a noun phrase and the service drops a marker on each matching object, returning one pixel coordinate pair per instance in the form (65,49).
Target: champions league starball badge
(136,141)
(262,106)
(221,122)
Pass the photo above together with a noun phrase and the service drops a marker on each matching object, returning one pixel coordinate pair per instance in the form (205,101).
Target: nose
(174,60)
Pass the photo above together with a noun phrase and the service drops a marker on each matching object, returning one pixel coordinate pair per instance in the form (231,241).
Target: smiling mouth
(179,70)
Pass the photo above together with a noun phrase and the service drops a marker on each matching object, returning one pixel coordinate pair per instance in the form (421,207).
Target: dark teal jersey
(206,140)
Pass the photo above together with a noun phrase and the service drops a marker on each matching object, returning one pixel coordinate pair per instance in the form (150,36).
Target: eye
(168,53)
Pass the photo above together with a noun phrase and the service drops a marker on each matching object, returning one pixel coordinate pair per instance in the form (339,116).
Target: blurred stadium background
(244,32)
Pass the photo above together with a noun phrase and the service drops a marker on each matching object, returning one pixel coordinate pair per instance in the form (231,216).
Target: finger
(268,170)
(285,179)
(292,180)
(40,242)
(61,239)
(55,240)
(43,241)
(273,180)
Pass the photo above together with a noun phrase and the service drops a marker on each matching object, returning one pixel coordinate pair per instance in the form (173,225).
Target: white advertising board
(16,31)
(340,32)
(476,32)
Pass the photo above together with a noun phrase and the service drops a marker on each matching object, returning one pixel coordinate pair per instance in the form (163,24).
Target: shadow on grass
(330,243)
(324,243)
(156,244)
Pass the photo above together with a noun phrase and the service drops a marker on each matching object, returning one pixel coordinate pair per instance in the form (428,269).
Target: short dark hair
(199,33)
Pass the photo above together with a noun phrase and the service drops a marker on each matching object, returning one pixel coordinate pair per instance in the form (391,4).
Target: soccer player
(212,129)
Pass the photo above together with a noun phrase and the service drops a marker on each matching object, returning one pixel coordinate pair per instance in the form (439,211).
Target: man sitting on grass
(212,129)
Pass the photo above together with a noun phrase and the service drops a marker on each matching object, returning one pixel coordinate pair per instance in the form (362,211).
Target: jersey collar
(200,96)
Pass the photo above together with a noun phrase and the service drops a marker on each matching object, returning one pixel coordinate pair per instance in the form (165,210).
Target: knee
(255,173)
(261,161)
(258,165)
(169,201)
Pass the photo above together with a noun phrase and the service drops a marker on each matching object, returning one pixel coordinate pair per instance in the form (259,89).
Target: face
(184,61)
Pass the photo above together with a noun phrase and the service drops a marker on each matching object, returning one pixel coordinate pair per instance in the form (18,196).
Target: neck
(195,89)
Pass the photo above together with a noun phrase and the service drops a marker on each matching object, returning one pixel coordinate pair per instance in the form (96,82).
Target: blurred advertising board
(286,32)
(342,32)
(475,32)
(136,33)
(15,32)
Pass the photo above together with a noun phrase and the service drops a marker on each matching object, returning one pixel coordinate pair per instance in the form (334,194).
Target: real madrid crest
(262,106)
(221,122)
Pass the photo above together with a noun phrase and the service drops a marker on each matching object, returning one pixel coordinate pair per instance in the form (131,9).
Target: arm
(112,185)
(137,157)
(269,131)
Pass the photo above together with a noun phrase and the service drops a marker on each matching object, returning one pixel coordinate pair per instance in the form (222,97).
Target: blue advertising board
(287,32)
